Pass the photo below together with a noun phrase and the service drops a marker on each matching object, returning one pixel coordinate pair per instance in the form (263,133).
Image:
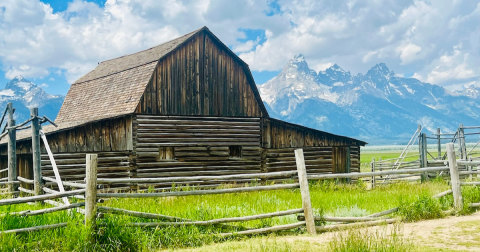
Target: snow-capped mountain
(470,91)
(378,107)
(24,95)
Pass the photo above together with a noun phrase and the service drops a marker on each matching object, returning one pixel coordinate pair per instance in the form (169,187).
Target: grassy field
(328,198)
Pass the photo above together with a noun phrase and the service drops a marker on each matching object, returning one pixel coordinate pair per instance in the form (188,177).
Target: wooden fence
(426,158)
(92,195)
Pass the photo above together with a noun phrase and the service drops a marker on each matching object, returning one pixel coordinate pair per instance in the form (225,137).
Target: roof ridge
(185,35)
(137,59)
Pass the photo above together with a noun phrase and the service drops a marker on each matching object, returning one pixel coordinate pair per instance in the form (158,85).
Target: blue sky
(53,42)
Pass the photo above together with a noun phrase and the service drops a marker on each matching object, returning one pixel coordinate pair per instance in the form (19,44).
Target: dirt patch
(453,233)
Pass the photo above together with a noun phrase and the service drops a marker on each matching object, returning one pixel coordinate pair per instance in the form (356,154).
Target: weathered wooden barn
(187,107)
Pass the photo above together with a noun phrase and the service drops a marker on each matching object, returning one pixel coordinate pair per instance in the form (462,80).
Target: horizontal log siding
(71,166)
(201,146)
(200,78)
(318,160)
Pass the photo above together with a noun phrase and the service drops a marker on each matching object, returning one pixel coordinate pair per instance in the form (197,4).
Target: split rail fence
(91,194)
(426,158)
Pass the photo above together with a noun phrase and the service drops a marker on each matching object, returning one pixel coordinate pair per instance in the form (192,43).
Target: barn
(189,106)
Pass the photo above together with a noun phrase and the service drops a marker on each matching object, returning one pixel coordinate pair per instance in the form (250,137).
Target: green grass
(327,198)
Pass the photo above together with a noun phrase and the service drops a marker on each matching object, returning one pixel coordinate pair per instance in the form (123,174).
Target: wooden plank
(305,193)
(91,192)
(455,178)
(98,136)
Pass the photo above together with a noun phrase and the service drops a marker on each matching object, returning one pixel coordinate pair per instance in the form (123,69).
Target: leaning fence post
(91,193)
(12,148)
(37,168)
(302,179)
(455,178)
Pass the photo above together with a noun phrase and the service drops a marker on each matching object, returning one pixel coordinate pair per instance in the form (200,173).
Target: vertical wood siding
(200,78)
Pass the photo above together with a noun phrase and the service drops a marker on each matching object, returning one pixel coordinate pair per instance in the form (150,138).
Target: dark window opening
(166,153)
(235,151)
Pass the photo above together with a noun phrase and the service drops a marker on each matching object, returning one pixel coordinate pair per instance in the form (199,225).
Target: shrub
(425,207)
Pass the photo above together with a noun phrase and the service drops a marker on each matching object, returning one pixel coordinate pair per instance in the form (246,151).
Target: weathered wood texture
(114,134)
(72,165)
(201,77)
(280,134)
(317,160)
(196,146)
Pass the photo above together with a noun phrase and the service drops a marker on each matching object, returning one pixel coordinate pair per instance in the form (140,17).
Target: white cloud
(43,85)
(408,52)
(438,40)
(322,66)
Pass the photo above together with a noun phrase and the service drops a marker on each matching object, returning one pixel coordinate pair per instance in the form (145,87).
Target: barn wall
(71,166)
(201,146)
(200,78)
(110,139)
(324,152)
(280,134)
(317,159)
(107,135)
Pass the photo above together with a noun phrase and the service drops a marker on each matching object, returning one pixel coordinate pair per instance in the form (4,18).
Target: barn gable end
(201,77)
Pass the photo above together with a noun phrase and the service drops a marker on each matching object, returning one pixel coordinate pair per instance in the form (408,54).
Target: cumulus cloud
(439,41)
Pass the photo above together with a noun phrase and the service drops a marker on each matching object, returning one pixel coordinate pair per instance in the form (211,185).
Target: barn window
(166,153)
(235,151)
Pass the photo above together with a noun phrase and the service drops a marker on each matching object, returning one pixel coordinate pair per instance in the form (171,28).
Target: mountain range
(24,95)
(378,107)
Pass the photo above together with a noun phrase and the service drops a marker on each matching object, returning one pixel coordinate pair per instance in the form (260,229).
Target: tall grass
(327,198)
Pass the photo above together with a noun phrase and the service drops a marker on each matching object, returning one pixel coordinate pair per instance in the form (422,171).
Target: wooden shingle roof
(115,86)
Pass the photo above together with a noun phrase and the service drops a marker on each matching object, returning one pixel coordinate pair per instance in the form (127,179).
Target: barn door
(341,159)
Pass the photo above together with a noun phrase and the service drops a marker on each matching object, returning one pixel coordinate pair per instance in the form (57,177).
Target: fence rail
(90,194)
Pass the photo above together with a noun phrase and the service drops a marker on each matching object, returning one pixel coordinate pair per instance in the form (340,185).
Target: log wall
(200,145)
(317,160)
(201,78)
(279,134)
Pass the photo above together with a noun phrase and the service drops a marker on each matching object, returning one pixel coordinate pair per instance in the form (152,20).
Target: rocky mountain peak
(298,64)
(333,76)
(380,70)
(25,94)
(471,91)
(20,85)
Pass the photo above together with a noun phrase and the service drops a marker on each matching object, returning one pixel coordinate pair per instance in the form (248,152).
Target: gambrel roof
(115,87)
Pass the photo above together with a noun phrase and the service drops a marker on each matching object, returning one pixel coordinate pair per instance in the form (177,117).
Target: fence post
(91,194)
(12,149)
(439,144)
(372,165)
(37,168)
(423,155)
(455,178)
(461,142)
(302,179)
(470,168)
